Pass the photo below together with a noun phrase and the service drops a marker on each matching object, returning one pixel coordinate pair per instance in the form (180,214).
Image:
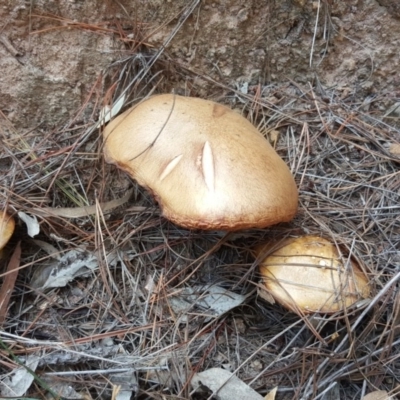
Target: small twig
(315,33)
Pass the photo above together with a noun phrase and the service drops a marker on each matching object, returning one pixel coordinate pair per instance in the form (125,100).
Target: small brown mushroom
(7,226)
(207,166)
(307,274)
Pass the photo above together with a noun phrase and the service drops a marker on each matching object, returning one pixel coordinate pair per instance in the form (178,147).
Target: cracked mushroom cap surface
(7,225)
(207,166)
(307,274)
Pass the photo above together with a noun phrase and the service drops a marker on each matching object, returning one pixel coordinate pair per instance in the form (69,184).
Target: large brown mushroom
(207,166)
(307,274)
(7,225)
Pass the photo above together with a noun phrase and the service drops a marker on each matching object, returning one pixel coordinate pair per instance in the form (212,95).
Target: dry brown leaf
(273,136)
(272,394)
(261,292)
(9,282)
(395,149)
(377,395)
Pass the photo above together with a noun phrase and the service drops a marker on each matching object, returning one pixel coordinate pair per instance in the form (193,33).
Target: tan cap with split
(207,166)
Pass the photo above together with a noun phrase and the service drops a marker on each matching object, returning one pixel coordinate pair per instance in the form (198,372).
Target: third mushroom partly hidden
(307,274)
(207,166)
(7,225)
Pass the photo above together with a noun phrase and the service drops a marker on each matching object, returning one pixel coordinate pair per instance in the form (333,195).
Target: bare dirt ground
(319,78)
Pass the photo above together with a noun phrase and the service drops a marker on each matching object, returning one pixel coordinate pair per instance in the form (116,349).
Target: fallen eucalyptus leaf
(85,211)
(72,264)
(63,389)
(20,380)
(225,385)
(209,301)
(8,284)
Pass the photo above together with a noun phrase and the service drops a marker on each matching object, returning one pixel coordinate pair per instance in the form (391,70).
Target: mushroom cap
(206,165)
(7,225)
(307,274)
